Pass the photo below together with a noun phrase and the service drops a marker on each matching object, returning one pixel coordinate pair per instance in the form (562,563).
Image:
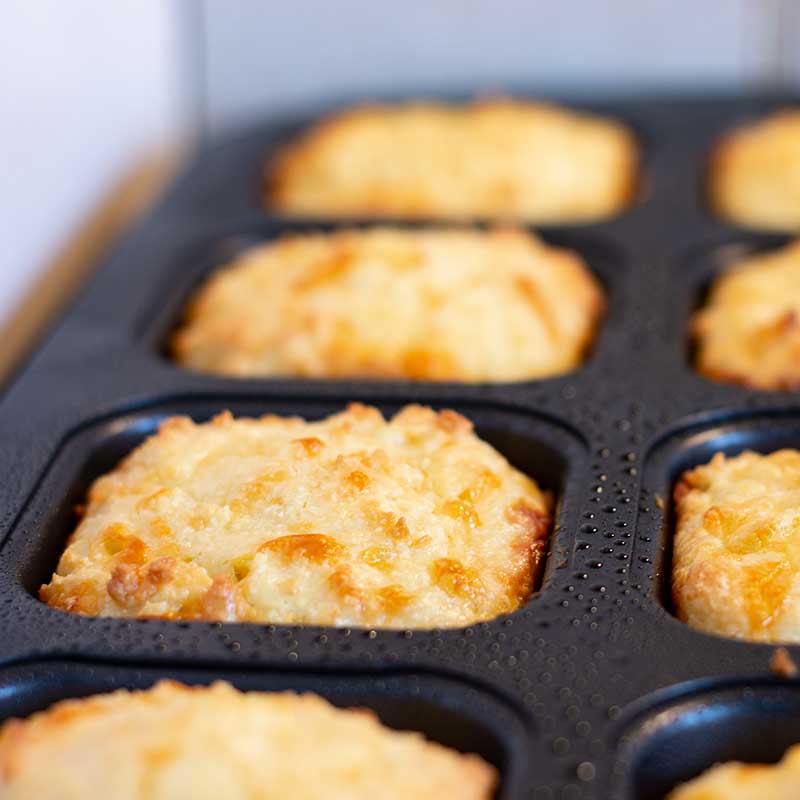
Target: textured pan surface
(579,662)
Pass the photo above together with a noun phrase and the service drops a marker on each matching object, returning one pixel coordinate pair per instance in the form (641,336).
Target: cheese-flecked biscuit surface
(351,520)
(737,781)
(174,741)
(749,330)
(497,159)
(755,173)
(736,561)
(390,303)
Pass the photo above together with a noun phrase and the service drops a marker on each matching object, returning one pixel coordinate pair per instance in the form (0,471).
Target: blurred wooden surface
(81,253)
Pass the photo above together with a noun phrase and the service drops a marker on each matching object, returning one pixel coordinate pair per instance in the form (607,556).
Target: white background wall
(86,86)
(262,55)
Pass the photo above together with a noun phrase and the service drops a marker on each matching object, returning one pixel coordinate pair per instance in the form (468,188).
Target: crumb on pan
(351,520)
(389,303)
(175,741)
(782,664)
(748,332)
(736,554)
(754,176)
(738,781)
(496,158)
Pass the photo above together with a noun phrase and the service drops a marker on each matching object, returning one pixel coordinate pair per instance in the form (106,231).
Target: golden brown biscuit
(736,781)
(749,330)
(390,303)
(352,520)
(736,563)
(174,741)
(755,173)
(498,159)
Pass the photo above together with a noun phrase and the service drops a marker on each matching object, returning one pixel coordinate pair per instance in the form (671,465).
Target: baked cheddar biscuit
(389,303)
(207,743)
(755,173)
(749,330)
(736,781)
(736,562)
(352,520)
(497,159)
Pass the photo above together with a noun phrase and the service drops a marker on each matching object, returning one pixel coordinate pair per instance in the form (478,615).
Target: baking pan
(593,689)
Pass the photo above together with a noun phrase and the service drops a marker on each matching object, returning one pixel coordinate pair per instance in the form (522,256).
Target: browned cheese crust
(389,303)
(736,563)
(351,520)
(498,159)
(754,177)
(207,743)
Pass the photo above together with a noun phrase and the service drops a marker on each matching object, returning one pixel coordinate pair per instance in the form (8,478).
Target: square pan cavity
(675,735)
(189,270)
(703,266)
(681,450)
(550,453)
(232,172)
(454,714)
(746,113)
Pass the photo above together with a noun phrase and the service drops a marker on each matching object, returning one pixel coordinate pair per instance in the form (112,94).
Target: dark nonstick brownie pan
(593,689)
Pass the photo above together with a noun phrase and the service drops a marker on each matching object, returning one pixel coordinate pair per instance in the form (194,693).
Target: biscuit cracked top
(391,303)
(500,159)
(351,520)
